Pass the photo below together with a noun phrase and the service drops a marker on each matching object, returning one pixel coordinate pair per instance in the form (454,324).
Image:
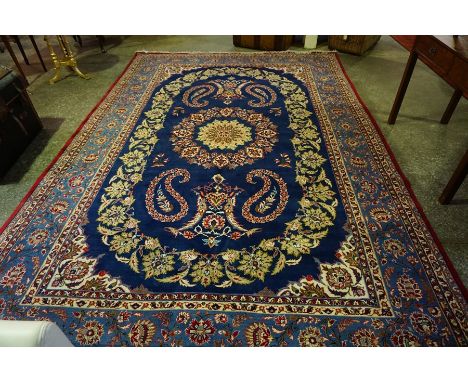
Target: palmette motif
(298,230)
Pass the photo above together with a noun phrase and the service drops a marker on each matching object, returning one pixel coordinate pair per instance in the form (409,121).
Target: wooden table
(447,56)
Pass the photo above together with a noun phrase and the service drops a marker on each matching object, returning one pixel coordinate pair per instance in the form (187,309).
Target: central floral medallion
(224,134)
(220,129)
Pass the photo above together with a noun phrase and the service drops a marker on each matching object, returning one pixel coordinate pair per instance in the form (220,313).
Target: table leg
(15,60)
(20,47)
(455,181)
(403,86)
(451,107)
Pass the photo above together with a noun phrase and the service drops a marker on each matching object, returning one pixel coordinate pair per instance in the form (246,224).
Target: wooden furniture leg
(101,41)
(403,86)
(15,60)
(455,181)
(451,106)
(20,47)
(38,52)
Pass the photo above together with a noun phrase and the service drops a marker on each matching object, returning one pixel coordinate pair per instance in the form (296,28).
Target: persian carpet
(230,199)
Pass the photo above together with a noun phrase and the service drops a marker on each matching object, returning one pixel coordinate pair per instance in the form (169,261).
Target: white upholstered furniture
(31,333)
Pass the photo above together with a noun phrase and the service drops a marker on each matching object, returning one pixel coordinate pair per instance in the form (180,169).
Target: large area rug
(230,199)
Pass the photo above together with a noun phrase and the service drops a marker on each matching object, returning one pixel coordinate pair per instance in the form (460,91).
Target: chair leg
(455,181)
(15,60)
(38,52)
(20,47)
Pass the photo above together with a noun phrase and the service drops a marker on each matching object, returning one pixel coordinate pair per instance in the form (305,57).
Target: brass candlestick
(68,60)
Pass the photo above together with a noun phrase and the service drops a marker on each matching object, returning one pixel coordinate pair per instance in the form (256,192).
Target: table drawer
(430,49)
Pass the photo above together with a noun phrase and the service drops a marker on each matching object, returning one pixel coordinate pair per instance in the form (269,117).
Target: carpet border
(446,258)
(407,183)
(64,147)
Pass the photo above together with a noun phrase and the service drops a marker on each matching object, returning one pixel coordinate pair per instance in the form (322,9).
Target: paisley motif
(265,96)
(168,177)
(193,96)
(229,90)
(265,175)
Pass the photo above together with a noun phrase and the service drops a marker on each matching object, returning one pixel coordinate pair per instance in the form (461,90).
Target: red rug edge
(62,150)
(408,185)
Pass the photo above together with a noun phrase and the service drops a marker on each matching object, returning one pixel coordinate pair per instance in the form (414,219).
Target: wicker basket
(352,44)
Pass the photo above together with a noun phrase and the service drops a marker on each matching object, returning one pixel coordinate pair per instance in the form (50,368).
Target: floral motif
(118,189)
(422,323)
(142,333)
(213,222)
(364,337)
(224,129)
(114,215)
(394,247)
(90,333)
(207,272)
(409,288)
(281,320)
(316,219)
(123,243)
(76,181)
(338,277)
(183,317)
(39,236)
(381,215)
(255,264)
(75,271)
(403,337)
(14,276)
(221,318)
(224,134)
(258,334)
(296,245)
(156,263)
(311,337)
(59,207)
(133,158)
(200,331)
